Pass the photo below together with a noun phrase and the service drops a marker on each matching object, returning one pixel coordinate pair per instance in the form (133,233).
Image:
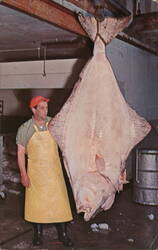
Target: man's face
(41,111)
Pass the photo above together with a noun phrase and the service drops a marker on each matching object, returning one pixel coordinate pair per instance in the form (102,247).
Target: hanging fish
(96,129)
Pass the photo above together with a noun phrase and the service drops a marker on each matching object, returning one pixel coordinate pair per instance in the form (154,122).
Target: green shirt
(26,131)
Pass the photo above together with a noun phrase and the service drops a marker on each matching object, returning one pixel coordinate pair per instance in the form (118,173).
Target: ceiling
(23,37)
(36,33)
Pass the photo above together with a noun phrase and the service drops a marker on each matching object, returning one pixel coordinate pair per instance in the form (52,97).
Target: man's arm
(21,164)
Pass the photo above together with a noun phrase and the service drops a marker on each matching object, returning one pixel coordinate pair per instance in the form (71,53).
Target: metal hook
(39,52)
(44,62)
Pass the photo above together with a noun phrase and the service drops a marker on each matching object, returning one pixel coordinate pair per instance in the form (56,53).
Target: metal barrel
(145,186)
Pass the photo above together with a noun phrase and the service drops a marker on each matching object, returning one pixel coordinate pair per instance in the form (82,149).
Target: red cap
(36,100)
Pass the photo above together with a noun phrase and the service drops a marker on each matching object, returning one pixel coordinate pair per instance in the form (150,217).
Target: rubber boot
(62,234)
(38,233)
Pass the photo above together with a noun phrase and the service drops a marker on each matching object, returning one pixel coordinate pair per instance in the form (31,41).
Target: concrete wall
(16,102)
(137,75)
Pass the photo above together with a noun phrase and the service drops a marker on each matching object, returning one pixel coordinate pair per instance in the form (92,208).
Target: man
(46,199)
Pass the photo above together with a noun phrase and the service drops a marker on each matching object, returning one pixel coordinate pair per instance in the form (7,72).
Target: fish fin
(107,29)
(89,24)
(111,26)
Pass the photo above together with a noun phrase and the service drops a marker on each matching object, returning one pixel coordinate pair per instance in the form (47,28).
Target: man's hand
(25,181)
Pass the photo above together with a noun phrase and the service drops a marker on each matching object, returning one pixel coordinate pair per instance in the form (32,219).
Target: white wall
(26,75)
(19,81)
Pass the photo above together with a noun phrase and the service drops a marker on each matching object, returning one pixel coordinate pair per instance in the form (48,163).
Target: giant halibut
(96,129)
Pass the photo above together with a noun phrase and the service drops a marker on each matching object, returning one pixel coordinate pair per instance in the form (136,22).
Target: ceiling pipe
(18,50)
(136,7)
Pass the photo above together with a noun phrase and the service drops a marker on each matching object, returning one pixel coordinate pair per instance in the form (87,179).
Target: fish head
(92,193)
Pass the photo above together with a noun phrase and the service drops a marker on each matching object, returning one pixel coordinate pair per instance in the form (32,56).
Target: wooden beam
(133,41)
(48,11)
(144,22)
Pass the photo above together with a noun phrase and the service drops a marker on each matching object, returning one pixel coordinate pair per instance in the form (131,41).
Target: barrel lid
(148,151)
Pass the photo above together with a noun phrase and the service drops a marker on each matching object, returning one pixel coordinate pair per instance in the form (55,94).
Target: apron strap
(35,127)
(47,125)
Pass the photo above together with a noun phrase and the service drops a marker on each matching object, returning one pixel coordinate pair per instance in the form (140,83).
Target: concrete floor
(130,225)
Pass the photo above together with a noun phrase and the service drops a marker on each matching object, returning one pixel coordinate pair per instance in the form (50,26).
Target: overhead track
(110,5)
(62,17)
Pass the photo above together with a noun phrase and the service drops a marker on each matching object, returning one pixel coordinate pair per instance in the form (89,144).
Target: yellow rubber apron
(46,200)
